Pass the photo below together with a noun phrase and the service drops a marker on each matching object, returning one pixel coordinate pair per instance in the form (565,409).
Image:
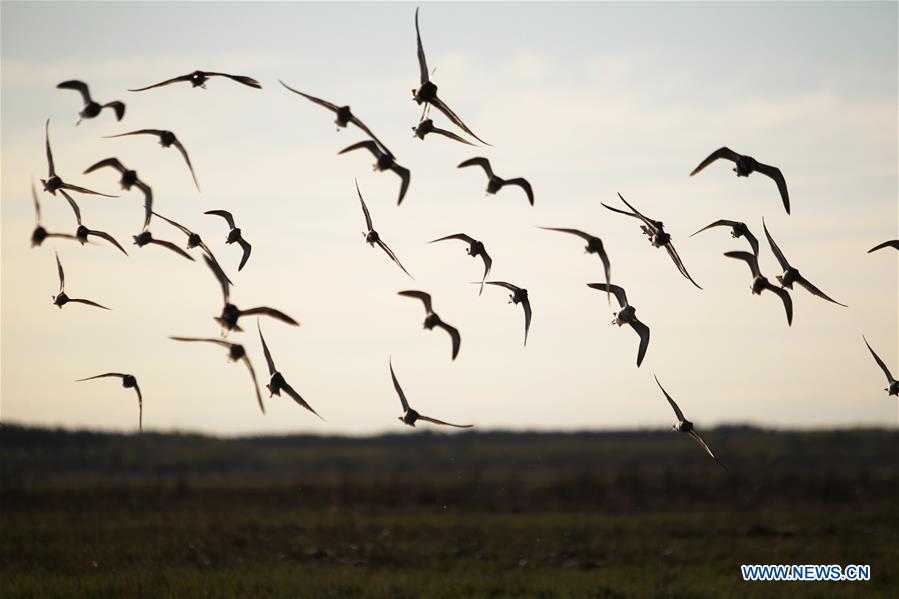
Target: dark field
(422,515)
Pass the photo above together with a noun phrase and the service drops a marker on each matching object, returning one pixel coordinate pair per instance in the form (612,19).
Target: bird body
(626,316)
(199,79)
(433,320)
(494,182)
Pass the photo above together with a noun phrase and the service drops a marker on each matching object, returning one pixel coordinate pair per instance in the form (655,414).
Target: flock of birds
(426,96)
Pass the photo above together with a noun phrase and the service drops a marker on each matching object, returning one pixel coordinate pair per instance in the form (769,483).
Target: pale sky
(585,100)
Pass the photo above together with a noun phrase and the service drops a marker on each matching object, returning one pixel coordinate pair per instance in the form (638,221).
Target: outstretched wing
(450,135)
(455,336)
(190,166)
(399,390)
(219,275)
(99,376)
(248,81)
(270,312)
(508,286)
(107,237)
(221,342)
(781,259)
(296,397)
(674,406)
(478,161)
(459,236)
(523,183)
(313,99)
(247,248)
(748,258)
(441,422)
(815,291)
(173,247)
(368,144)
(156,132)
(442,107)
(393,257)
(73,205)
(698,438)
(37,204)
(148,202)
(488,264)
(246,360)
(893,243)
(774,173)
(87,302)
(268,356)
(679,263)
(224,214)
(620,295)
(78,86)
(364,208)
(643,331)
(405,176)
(422,62)
(420,295)
(85,190)
(187,77)
(718,223)
(785,298)
(181,228)
(880,363)
(526,304)
(118,108)
(578,232)
(61,273)
(724,152)
(50,168)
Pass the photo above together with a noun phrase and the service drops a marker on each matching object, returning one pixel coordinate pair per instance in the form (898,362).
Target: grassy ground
(485,515)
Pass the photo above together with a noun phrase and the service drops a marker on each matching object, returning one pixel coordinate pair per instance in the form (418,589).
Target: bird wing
(774,173)
(107,237)
(421,295)
(248,81)
(78,86)
(724,152)
(679,263)
(37,204)
(488,264)
(140,408)
(718,223)
(781,259)
(156,132)
(271,312)
(579,233)
(815,291)
(85,190)
(526,305)
(620,295)
(893,243)
(190,166)
(187,77)
(522,183)
(454,335)
(753,242)
(221,342)
(441,422)
(224,214)
(173,247)
(405,176)
(364,208)
(422,62)
(368,144)
(313,99)
(648,221)
(450,135)
(785,297)
(118,108)
(72,203)
(393,257)
(247,248)
(399,390)
(99,376)
(674,406)
(268,355)
(246,360)
(643,331)
(219,275)
(461,236)
(50,167)
(181,228)
(478,161)
(61,273)
(446,110)
(297,398)
(88,302)
(698,438)
(508,286)
(148,202)
(748,258)
(880,363)
(208,252)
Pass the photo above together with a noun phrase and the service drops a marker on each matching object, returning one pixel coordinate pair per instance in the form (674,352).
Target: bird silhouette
(495,183)
(426,127)
(199,78)
(62,299)
(761,283)
(627,315)
(475,249)
(685,426)
(893,388)
(737,230)
(128,180)
(518,296)
(372,237)
(91,108)
(594,246)
(128,382)
(893,243)
(384,162)
(40,233)
(410,416)
(433,320)
(54,183)
(277,383)
(234,235)
(745,166)
(236,352)
(166,139)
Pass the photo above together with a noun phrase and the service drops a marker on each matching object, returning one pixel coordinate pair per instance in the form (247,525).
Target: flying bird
(91,108)
(236,352)
(199,78)
(166,139)
(344,115)
(737,229)
(893,243)
(193,240)
(277,383)
(40,233)
(53,182)
(627,315)
(427,91)
(745,166)
(231,313)
(475,249)
(128,382)
(518,296)
(685,426)
(128,180)
(791,275)
(234,235)
(495,183)
(384,162)
(410,416)
(427,126)
(372,237)
(760,283)
(658,237)
(62,299)
(893,388)
(432,320)
(594,246)
(145,238)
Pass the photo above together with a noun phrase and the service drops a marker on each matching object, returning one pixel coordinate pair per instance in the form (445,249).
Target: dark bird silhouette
(737,229)
(432,320)
(475,249)
(236,352)
(427,126)
(193,240)
(495,183)
(128,180)
(594,246)
(53,182)
(199,78)
(893,388)
(277,383)
(384,162)
(893,243)
(372,237)
(128,382)
(234,235)
(745,166)
(231,313)
(62,299)
(91,108)
(40,233)
(82,233)
(791,275)
(145,237)
(166,139)
(518,296)
(627,315)
(426,93)
(658,237)
(760,283)
(344,115)
(411,416)
(685,426)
